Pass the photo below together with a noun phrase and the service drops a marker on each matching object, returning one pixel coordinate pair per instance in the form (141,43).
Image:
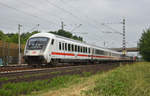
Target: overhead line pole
(124,39)
(123,36)
(38,26)
(19,44)
(62,25)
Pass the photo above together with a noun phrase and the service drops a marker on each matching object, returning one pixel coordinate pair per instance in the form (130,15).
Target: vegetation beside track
(17,89)
(128,80)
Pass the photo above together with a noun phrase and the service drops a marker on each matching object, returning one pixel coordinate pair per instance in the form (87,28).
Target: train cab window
(63,46)
(72,47)
(59,45)
(52,41)
(66,46)
(76,48)
(89,51)
(69,47)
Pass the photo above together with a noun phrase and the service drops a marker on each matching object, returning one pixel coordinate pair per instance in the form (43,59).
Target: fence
(9,52)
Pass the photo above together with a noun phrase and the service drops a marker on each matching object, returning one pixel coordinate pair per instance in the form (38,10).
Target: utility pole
(38,25)
(19,44)
(62,25)
(124,39)
(123,36)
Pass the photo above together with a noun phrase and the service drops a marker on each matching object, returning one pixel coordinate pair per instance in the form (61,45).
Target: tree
(3,36)
(13,38)
(25,36)
(144,45)
(66,34)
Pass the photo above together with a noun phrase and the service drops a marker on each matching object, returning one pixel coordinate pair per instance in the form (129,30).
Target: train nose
(34,52)
(34,59)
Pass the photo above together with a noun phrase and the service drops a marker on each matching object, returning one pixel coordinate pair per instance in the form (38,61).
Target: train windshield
(37,43)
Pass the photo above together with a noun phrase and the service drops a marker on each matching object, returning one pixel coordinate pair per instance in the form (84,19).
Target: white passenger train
(47,48)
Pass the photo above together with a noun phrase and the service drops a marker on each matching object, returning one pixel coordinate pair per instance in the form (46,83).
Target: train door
(63,49)
(50,50)
(92,56)
(76,51)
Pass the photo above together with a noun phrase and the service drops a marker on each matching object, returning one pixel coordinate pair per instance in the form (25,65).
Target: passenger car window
(69,47)
(89,50)
(62,46)
(66,46)
(59,45)
(72,47)
(52,41)
(76,48)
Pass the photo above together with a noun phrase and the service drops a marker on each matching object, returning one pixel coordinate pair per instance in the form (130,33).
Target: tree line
(13,37)
(144,45)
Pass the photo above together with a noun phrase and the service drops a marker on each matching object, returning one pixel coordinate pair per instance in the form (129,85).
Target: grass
(69,70)
(86,74)
(129,80)
(27,76)
(16,89)
(55,72)
(3,79)
(24,76)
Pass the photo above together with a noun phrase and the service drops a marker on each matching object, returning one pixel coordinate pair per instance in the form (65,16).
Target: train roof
(50,35)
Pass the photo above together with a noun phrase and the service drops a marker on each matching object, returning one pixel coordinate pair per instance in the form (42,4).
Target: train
(50,49)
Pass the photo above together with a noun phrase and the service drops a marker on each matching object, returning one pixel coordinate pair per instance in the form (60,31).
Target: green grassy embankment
(129,80)
(24,88)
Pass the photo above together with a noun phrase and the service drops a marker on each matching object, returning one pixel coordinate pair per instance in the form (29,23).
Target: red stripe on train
(102,56)
(57,53)
(82,55)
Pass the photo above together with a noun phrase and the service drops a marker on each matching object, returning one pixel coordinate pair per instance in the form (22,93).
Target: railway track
(19,69)
(25,68)
(7,69)
(30,75)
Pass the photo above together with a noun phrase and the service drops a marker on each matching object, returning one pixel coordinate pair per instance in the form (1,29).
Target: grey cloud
(89,13)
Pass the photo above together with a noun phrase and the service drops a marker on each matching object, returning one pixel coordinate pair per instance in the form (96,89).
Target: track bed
(48,73)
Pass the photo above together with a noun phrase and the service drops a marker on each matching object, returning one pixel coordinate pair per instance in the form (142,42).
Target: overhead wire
(115,31)
(26,13)
(38,9)
(70,13)
(95,21)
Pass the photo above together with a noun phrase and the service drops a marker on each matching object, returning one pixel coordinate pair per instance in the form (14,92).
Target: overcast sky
(96,16)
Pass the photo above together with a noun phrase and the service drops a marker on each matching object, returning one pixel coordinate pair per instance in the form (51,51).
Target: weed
(3,79)
(124,81)
(68,70)
(55,72)
(87,74)
(16,89)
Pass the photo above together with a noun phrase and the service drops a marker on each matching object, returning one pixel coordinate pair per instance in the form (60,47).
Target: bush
(144,45)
